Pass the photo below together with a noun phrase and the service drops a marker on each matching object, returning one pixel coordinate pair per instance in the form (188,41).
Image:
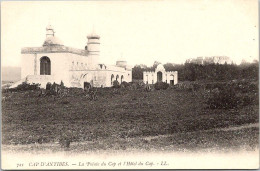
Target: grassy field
(129,119)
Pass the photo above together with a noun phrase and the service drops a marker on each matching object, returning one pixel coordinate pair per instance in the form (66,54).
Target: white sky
(140,31)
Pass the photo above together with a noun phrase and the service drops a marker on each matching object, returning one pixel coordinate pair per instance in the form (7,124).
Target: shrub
(116,84)
(148,88)
(62,84)
(48,86)
(196,87)
(245,86)
(161,85)
(87,85)
(224,98)
(124,84)
(136,85)
(26,86)
(75,91)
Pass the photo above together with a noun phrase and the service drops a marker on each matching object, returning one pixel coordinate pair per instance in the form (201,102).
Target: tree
(137,72)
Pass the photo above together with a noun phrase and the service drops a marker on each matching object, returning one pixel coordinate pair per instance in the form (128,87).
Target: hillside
(176,119)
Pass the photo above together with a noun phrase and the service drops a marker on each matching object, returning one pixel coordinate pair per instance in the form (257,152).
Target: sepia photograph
(158,84)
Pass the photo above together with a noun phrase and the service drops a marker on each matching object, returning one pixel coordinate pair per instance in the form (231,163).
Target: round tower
(93,48)
(121,63)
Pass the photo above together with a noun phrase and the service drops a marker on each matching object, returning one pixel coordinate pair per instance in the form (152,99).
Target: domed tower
(93,48)
(51,40)
(121,63)
(49,31)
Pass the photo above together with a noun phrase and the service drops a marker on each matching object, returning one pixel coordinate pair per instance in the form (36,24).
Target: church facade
(54,62)
(160,75)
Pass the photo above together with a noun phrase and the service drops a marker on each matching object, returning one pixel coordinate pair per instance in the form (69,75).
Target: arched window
(117,77)
(45,66)
(122,78)
(112,79)
(159,76)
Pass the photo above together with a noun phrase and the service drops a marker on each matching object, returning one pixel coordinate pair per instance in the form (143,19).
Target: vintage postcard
(159,84)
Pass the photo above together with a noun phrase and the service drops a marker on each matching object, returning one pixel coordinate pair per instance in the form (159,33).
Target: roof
(52,41)
(160,68)
(93,35)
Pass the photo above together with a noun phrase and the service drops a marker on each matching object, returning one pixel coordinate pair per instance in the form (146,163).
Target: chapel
(160,75)
(55,62)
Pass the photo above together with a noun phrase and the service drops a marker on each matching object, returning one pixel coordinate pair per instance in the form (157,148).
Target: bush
(116,84)
(161,85)
(227,98)
(48,86)
(245,86)
(62,84)
(26,86)
(75,91)
(124,84)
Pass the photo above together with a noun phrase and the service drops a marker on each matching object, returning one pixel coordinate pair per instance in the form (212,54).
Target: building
(160,75)
(54,62)
(210,60)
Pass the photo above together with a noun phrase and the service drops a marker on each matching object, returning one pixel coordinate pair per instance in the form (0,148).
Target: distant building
(210,60)
(54,62)
(160,75)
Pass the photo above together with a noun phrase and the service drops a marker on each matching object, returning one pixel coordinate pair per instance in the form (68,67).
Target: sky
(139,32)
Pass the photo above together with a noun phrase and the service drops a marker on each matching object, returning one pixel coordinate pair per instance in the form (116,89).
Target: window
(112,79)
(45,66)
(72,66)
(122,78)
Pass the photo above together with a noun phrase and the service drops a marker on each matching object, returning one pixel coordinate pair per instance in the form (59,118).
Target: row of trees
(194,72)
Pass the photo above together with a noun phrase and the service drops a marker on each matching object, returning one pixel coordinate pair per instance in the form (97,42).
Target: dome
(52,41)
(160,67)
(121,63)
(93,35)
(49,27)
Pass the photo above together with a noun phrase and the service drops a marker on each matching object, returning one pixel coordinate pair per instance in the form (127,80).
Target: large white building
(160,75)
(54,62)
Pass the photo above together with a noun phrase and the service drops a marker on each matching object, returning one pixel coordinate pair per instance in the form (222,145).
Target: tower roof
(51,40)
(93,35)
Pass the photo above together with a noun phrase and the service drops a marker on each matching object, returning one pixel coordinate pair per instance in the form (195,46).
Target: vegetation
(25,86)
(124,84)
(182,112)
(197,72)
(233,95)
(161,86)
(116,84)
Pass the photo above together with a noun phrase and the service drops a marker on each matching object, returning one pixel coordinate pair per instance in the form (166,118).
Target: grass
(114,118)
